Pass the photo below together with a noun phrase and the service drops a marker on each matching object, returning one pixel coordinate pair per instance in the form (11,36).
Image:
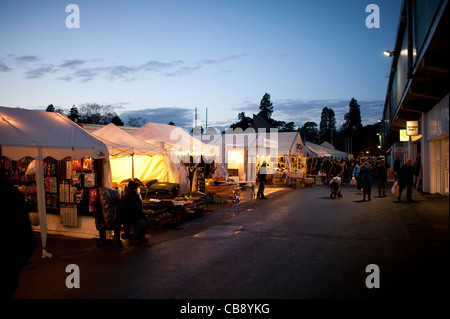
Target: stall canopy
(133,157)
(174,139)
(121,143)
(178,144)
(325,150)
(126,146)
(39,134)
(290,143)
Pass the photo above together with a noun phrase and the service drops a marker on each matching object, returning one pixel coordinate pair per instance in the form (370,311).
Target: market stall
(291,168)
(69,166)
(132,157)
(182,150)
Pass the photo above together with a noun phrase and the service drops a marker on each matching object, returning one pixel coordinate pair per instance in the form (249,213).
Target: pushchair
(335,185)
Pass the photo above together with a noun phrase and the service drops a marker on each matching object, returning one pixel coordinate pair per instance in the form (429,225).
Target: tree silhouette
(352,127)
(244,122)
(117,121)
(73,114)
(266,108)
(309,132)
(327,124)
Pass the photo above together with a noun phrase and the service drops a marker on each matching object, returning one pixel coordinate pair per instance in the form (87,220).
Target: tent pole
(132,167)
(40,189)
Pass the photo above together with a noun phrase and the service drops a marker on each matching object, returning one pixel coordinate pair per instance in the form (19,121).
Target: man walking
(405,179)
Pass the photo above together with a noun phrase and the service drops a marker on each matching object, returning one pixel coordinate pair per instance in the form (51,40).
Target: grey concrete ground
(297,244)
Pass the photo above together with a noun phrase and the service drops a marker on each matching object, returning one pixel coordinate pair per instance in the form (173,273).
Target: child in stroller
(335,186)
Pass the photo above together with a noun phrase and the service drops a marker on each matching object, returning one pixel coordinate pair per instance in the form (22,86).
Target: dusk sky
(161,59)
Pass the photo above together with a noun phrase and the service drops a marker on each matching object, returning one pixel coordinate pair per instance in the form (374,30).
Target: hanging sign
(403,136)
(412,128)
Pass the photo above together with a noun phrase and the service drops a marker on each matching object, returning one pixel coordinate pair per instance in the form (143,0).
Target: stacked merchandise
(192,203)
(158,211)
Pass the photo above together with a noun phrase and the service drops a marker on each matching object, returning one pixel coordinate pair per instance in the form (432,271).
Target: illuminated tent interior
(132,157)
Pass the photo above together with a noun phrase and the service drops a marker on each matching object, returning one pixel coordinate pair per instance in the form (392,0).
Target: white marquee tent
(325,150)
(39,134)
(177,143)
(132,157)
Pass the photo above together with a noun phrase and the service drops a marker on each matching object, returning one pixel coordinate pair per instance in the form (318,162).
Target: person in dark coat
(381,175)
(130,213)
(366,180)
(19,240)
(262,174)
(405,180)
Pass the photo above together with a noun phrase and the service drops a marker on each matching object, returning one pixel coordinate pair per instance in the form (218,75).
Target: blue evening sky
(161,59)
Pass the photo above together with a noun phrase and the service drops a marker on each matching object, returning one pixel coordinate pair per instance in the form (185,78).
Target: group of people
(365,172)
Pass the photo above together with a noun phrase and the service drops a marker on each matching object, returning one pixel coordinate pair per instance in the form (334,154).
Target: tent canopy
(40,134)
(290,143)
(121,143)
(173,139)
(325,149)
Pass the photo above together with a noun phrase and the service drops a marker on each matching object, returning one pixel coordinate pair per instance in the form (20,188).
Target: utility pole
(195,122)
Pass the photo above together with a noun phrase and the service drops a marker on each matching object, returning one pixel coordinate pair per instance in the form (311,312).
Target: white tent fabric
(121,143)
(146,168)
(174,139)
(132,157)
(325,150)
(177,142)
(290,143)
(39,134)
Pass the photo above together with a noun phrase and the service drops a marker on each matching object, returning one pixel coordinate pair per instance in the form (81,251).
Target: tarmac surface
(298,244)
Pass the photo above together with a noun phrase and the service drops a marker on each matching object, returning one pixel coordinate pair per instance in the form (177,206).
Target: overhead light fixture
(388,53)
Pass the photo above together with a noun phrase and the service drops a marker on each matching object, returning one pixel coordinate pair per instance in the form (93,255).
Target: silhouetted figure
(19,240)
(262,174)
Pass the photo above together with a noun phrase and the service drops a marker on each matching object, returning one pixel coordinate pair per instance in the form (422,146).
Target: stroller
(335,186)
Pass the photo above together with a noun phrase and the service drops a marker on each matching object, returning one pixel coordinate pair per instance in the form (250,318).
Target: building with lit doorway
(417,98)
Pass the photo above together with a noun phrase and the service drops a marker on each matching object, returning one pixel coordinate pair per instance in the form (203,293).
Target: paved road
(296,244)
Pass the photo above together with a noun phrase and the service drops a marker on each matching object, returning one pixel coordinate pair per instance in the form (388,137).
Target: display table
(214,189)
(221,190)
(161,211)
(317,179)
